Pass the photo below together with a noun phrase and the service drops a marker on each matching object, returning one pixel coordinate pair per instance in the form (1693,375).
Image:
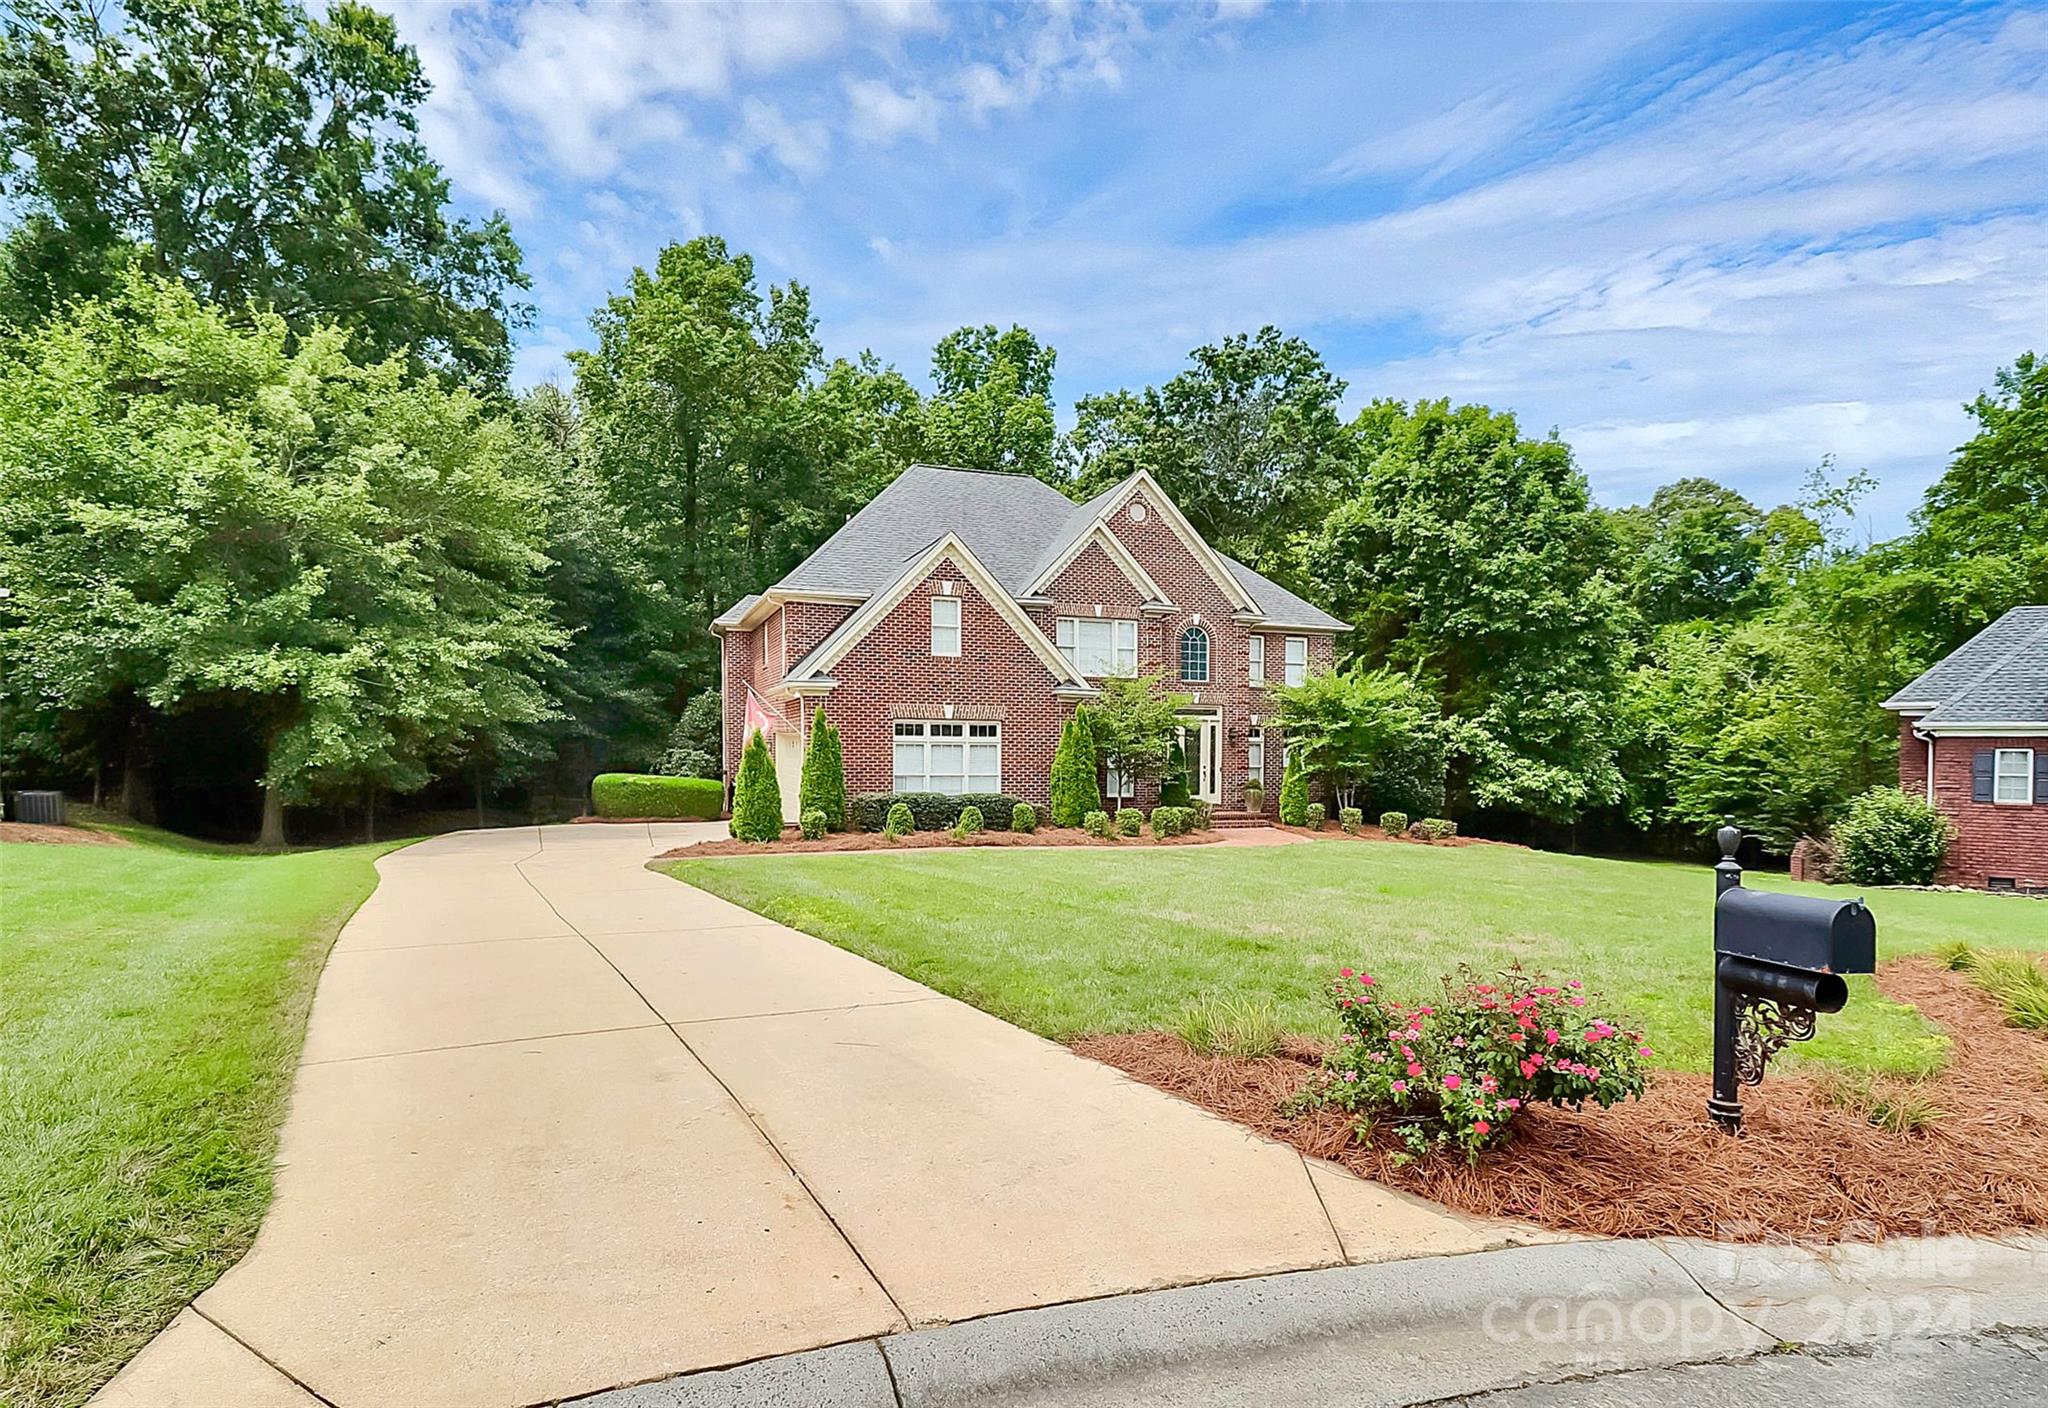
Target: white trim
(772,601)
(1255,657)
(1287,665)
(955,626)
(1998,756)
(1181,653)
(2034,728)
(877,608)
(966,740)
(1059,629)
(1098,532)
(1178,524)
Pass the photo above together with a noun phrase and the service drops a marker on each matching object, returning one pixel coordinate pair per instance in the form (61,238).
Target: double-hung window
(1255,754)
(1297,659)
(2012,782)
(1096,646)
(948,757)
(945,625)
(1258,659)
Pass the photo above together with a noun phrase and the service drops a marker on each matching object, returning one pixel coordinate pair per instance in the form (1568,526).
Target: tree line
(272,522)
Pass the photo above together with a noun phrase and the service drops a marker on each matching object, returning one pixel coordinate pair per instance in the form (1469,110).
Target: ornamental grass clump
(1452,1075)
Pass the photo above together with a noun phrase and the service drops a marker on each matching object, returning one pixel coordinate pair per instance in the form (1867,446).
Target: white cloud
(802,146)
(879,113)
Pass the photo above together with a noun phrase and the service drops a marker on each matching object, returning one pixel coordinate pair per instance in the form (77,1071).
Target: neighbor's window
(1297,659)
(1255,754)
(1098,647)
(949,757)
(945,625)
(1194,655)
(1258,659)
(2013,782)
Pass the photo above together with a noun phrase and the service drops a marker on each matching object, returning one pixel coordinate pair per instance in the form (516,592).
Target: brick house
(951,626)
(1973,739)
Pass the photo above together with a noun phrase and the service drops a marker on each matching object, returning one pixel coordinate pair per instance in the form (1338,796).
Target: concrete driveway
(563,1124)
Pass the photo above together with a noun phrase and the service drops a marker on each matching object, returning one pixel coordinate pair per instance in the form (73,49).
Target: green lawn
(1071,941)
(152,999)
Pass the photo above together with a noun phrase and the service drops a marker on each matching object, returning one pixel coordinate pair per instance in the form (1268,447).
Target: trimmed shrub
(1172,821)
(756,795)
(1024,818)
(1890,837)
(1201,816)
(646,794)
(1129,821)
(934,811)
(1293,795)
(1393,823)
(970,822)
(899,823)
(1433,828)
(1312,816)
(812,825)
(1075,792)
(1350,818)
(1097,824)
(824,782)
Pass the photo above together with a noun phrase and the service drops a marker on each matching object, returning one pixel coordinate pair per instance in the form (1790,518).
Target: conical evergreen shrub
(824,782)
(1075,792)
(1293,795)
(1173,787)
(756,795)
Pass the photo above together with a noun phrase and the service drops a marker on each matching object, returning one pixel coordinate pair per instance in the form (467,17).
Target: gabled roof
(1998,676)
(1016,527)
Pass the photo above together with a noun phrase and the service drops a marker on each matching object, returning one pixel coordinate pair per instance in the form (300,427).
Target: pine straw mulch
(1367,831)
(58,835)
(793,844)
(1803,1169)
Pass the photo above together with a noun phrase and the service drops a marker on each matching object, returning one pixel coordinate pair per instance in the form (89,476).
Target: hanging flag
(760,718)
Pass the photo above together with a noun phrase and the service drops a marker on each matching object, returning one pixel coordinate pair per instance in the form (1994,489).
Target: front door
(789,772)
(1201,737)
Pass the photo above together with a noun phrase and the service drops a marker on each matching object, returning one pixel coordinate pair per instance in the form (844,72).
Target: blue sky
(1721,240)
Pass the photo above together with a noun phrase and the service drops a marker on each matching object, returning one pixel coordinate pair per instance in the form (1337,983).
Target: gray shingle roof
(1999,675)
(1014,524)
(735,613)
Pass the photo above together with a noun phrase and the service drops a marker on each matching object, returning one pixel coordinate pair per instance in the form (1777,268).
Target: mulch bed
(793,844)
(57,835)
(1332,831)
(1802,1169)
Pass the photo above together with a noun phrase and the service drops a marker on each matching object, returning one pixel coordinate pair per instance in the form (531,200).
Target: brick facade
(1992,841)
(891,673)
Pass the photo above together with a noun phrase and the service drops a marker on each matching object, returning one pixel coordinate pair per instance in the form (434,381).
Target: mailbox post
(1778,961)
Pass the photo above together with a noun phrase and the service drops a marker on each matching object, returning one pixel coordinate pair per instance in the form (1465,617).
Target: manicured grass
(152,1000)
(1073,941)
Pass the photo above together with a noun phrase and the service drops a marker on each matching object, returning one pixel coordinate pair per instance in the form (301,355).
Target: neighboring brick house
(950,627)
(1973,739)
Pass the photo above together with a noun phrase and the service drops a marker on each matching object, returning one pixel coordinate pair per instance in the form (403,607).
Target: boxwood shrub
(1891,837)
(1129,821)
(1172,821)
(932,811)
(1312,816)
(1393,823)
(1433,828)
(1201,815)
(898,822)
(646,794)
(970,823)
(1097,824)
(1350,818)
(1024,818)
(812,824)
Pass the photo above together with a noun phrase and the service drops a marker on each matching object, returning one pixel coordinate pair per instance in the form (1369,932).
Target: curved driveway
(563,1123)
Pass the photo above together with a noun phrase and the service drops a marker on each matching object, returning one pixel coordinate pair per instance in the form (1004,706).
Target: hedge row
(645,794)
(931,811)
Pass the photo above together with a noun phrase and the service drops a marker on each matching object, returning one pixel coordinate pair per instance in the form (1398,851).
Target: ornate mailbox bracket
(1763,1028)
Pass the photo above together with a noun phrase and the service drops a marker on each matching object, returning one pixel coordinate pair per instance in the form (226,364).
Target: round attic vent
(1137,511)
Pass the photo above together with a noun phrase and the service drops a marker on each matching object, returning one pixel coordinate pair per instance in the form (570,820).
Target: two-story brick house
(950,627)
(1973,739)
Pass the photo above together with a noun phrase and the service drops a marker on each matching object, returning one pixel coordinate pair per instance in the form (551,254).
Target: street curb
(1405,1332)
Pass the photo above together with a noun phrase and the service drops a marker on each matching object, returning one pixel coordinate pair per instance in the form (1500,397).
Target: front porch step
(1232,819)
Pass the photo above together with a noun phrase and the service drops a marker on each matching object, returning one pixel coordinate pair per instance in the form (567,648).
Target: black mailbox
(1778,964)
(1796,931)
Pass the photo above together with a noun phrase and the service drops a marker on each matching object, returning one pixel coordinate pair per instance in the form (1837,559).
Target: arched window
(1194,655)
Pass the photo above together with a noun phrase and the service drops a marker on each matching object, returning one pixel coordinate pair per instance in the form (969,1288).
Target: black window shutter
(1983,768)
(2041,777)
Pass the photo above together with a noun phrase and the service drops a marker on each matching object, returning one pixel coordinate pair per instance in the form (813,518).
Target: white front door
(1202,741)
(789,772)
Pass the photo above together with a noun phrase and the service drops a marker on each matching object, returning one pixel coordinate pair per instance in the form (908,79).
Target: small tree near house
(1074,789)
(824,782)
(756,795)
(1293,792)
(1136,726)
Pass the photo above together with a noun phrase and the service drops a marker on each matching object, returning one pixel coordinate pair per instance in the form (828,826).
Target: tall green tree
(1136,726)
(1697,550)
(1075,788)
(1473,559)
(1342,725)
(992,404)
(259,152)
(1247,442)
(195,513)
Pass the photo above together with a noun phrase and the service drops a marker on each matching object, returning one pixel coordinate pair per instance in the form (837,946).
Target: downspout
(1928,739)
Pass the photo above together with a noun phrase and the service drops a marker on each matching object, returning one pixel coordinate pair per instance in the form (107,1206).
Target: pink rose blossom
(1452,1082)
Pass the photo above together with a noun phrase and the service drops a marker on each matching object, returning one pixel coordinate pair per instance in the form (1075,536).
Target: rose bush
(1454,1074)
